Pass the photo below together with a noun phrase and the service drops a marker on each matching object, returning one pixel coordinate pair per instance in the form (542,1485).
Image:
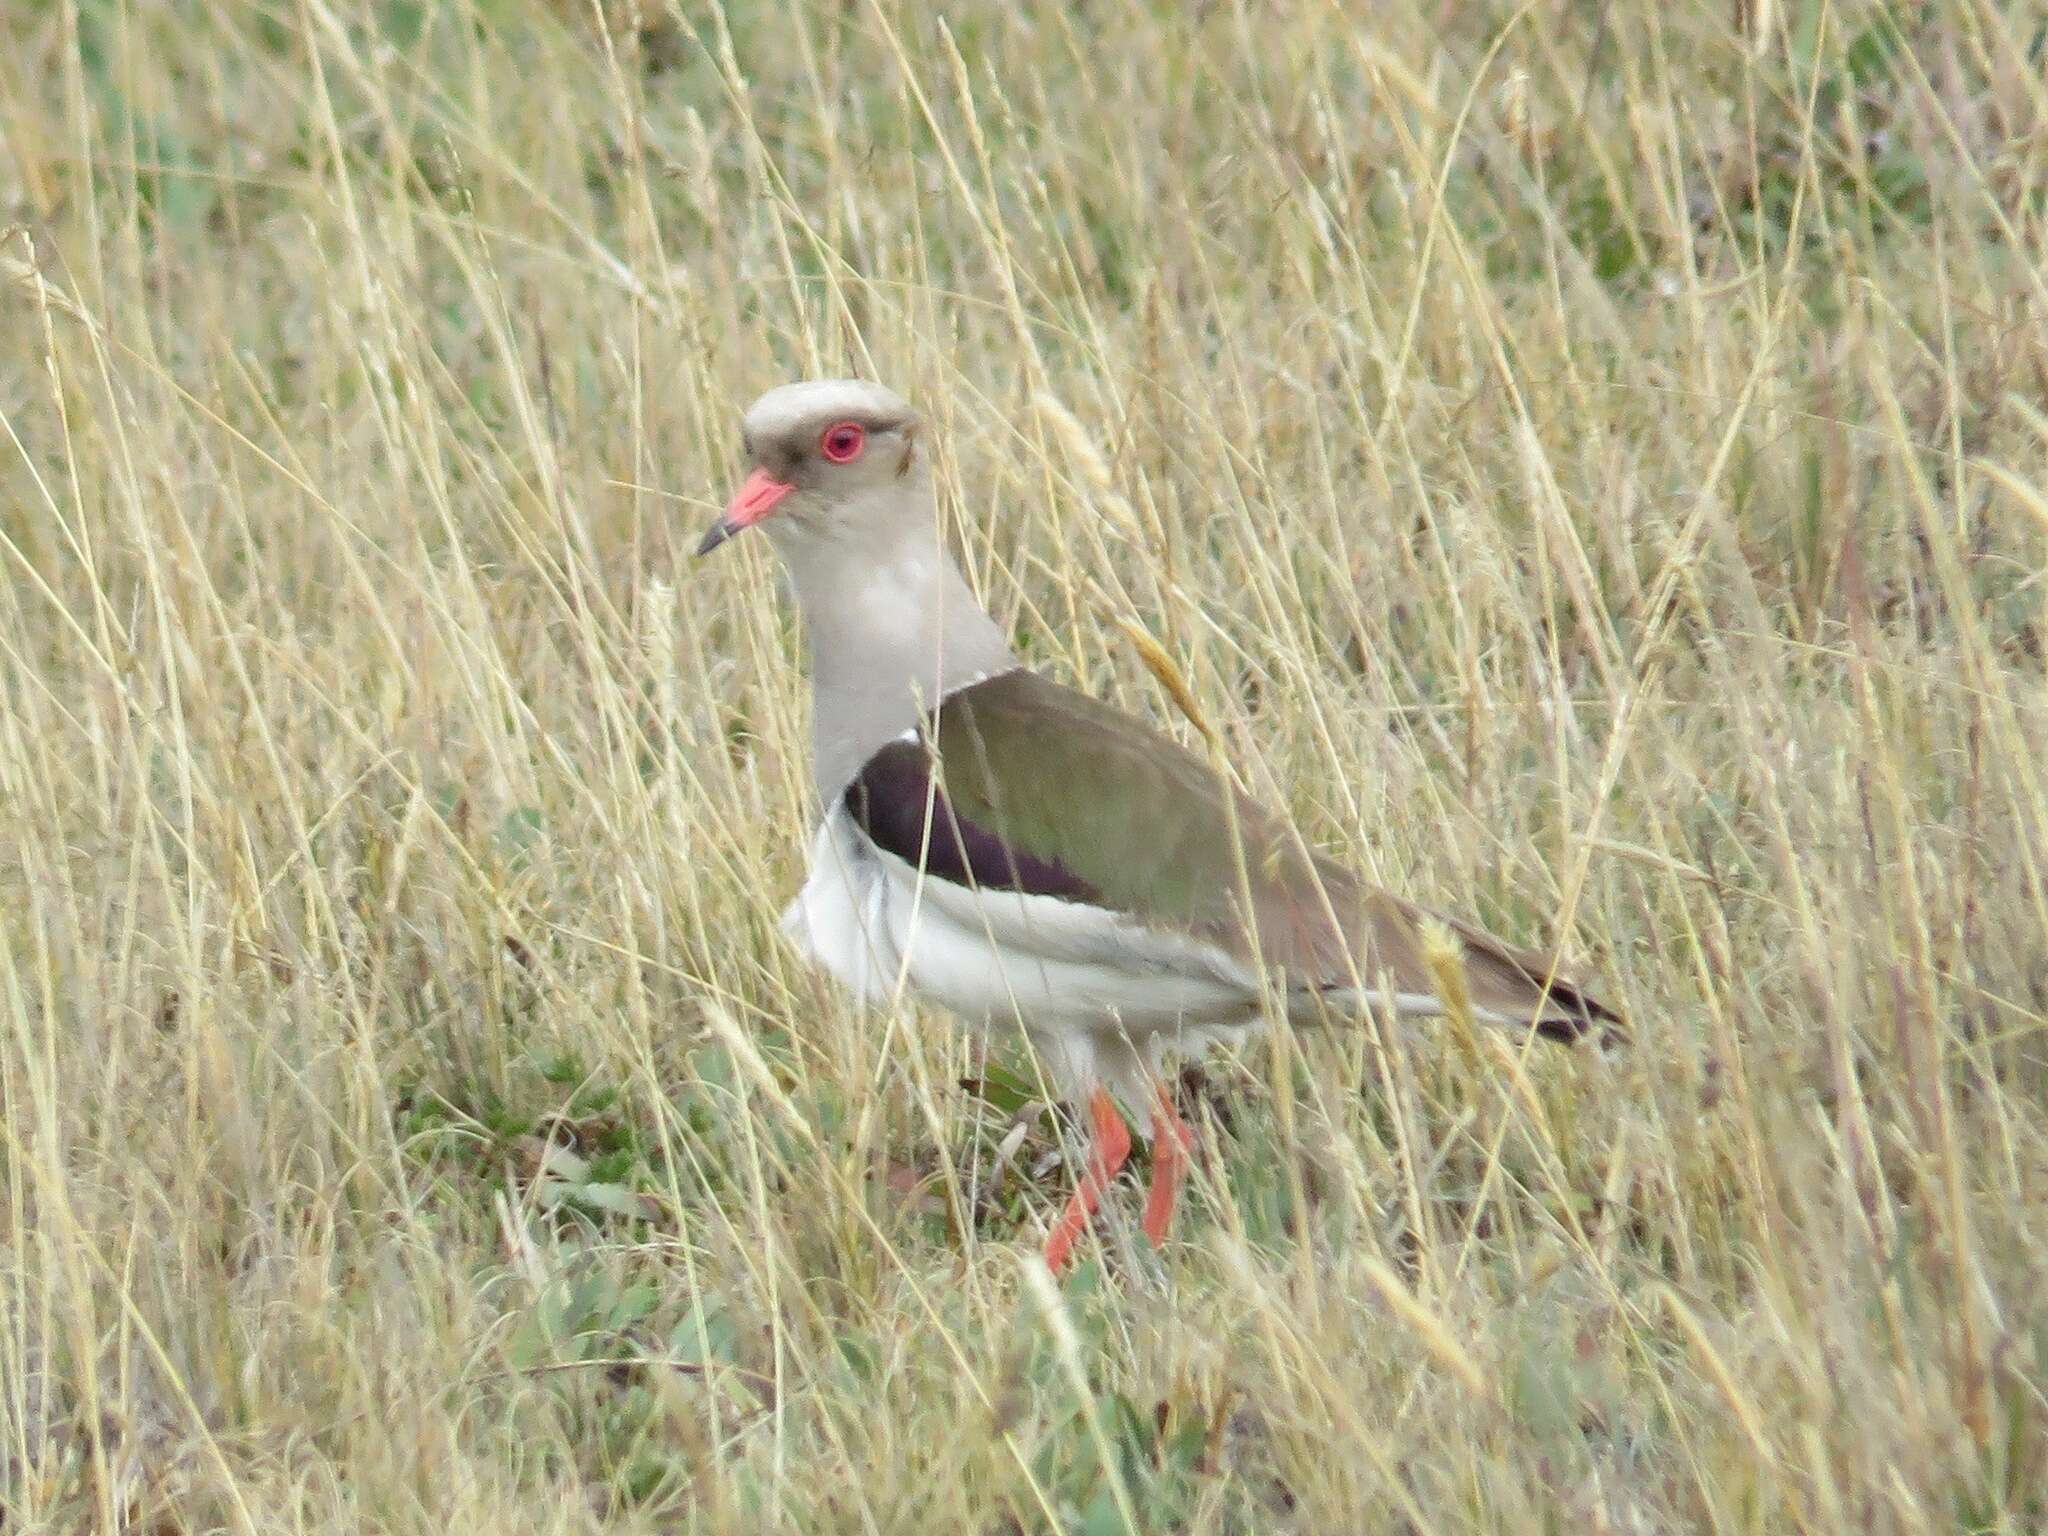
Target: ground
(1584,460)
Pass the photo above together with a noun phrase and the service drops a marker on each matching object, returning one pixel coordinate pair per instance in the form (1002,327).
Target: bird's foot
(1109,1146)
(1172,1142)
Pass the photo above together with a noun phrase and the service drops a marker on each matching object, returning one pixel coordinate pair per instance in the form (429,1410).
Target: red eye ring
(843,441)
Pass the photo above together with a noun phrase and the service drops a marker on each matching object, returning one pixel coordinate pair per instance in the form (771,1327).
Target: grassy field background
(1587,462)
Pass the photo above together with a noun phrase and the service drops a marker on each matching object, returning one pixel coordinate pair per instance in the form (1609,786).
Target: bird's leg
(1171,1142)
(1109,1144)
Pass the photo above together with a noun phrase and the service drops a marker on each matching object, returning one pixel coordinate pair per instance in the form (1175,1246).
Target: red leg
(1109,1145)
(1171,1142)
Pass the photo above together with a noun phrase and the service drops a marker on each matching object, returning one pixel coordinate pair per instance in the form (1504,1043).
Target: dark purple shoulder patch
(898,803)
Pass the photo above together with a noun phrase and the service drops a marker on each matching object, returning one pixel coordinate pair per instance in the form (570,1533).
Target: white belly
(1002,957)
(1106,997)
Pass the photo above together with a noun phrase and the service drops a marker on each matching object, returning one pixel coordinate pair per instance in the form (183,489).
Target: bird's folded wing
(1021,785)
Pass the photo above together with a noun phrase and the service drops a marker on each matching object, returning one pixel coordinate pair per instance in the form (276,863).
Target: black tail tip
(1582,1017)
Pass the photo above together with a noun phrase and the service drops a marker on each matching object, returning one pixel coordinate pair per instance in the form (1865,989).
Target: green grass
(1588,462)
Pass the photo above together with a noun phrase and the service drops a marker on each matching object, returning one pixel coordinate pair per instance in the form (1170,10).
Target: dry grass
(1586,459)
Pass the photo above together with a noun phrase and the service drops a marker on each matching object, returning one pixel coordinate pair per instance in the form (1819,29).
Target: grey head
(818,450)
(839,481)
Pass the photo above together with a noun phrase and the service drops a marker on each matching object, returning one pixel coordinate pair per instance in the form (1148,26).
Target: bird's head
(822,453)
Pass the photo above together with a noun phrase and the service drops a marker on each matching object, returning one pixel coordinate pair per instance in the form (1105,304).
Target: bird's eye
(843,442)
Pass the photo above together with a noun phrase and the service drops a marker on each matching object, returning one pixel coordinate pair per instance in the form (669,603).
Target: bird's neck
(892,628)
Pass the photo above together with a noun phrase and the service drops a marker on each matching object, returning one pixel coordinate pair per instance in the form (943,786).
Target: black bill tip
(716,535)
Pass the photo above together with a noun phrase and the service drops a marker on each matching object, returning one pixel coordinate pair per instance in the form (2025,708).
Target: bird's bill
(754,500)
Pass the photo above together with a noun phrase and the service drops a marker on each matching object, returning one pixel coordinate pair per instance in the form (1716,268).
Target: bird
(1032,858)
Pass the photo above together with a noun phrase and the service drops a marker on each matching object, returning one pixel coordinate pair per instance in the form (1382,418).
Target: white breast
(837,920)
